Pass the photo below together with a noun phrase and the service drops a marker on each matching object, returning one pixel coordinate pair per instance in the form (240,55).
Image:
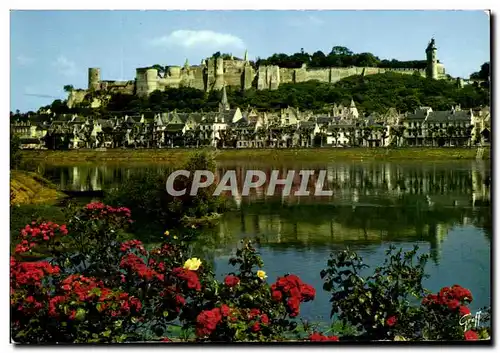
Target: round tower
(146,81)
(432,63)
(94,78)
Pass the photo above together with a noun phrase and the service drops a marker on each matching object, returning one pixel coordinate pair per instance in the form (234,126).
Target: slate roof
(307,125)
(417,115)
(445,116)
(174,127)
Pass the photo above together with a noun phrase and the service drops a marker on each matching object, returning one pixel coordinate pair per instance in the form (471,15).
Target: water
(444,208)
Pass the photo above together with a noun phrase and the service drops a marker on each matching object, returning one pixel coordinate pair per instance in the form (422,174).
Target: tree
(338,50)
(68,88)
(483,73)
(15,153)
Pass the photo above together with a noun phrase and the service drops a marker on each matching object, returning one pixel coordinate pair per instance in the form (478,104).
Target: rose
(192,264)
(464,311)
(261,274)
(471,335)
(391,321)
(231,281)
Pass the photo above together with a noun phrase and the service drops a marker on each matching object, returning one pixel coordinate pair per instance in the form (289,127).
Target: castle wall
(214,74)
(322,75)
(76,97)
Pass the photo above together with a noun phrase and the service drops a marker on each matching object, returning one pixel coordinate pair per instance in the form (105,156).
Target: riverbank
(28,188)
(177,156)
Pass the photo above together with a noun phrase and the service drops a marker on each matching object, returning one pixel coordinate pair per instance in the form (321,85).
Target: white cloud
(203,38)
(65,66)
(25,60)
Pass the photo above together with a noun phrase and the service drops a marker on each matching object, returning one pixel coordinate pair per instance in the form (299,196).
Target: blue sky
(50,49)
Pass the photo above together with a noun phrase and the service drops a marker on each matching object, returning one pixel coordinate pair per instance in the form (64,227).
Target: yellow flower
(167,233)
(261,274)
(192,264)
(175,237)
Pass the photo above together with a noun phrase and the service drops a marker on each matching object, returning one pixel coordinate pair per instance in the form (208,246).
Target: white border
(205,5)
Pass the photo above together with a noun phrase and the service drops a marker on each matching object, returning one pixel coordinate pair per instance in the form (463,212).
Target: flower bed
(115,290)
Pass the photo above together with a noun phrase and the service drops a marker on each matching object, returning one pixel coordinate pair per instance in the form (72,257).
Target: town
(231,127)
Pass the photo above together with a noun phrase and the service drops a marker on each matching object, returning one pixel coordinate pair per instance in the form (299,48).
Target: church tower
(431,52)
(224,104)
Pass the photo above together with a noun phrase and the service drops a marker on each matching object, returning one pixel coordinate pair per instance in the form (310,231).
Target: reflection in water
(443,207)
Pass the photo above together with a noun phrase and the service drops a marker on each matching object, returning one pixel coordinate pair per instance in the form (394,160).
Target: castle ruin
(215,73)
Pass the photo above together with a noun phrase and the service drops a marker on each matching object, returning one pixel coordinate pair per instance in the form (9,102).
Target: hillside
(374,93)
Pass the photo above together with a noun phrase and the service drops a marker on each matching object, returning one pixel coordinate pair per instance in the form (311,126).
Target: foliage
(338,57)
(386,304)
(373,93)
(483,74)
(110,290)
(15,151)
(150,200)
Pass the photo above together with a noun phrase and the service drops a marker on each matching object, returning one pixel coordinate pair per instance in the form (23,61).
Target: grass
(178,155)
(31,188)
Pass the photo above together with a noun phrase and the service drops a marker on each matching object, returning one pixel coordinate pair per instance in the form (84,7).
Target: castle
(215,73)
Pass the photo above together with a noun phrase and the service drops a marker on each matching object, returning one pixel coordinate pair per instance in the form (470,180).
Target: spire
(353,105)
(246,56)
(224,104)
(186,64)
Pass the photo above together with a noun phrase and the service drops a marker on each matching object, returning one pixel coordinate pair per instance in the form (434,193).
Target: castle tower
(431,52)
(219,74)
(146,81)
(94,78)
(246,56)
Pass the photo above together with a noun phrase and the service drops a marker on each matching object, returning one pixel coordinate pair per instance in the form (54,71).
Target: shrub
(106,288)
(113,290)
(147,196)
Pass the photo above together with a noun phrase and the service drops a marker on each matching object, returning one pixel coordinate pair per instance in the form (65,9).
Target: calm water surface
(444,208)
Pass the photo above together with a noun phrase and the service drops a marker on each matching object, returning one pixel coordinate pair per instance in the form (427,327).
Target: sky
(50,49)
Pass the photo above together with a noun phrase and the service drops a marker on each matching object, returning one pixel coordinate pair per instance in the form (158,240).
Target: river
(443,207)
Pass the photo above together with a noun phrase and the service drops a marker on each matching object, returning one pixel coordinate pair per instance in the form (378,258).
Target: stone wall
(75,97)
(214,74)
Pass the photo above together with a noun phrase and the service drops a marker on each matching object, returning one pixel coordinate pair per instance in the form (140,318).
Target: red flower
(190,276)
(391,321)
(231,281)
(293,306)
(276,295)
(253,313)
(471,335)
(225,310)
(319,337)
(308,292)
(264,319)
(180,300)
(256,327)
(207,322)
(453,304)
(166,339)
(464,311)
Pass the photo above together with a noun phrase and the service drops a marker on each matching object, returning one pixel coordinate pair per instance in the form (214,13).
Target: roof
(445,116)
(417,115)
(174,127)
(322,119)
(307,124)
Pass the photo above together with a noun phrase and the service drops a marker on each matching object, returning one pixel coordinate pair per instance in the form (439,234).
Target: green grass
(178,156)
(31,188)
